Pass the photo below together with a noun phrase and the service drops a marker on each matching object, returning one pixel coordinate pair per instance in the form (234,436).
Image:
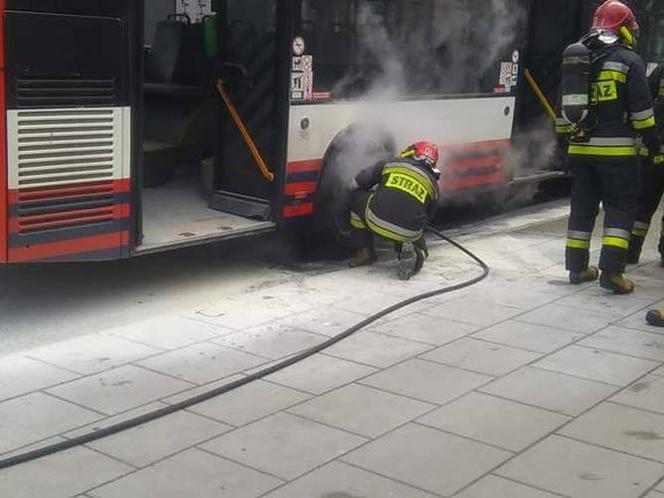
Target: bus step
(538,177)
(240,205)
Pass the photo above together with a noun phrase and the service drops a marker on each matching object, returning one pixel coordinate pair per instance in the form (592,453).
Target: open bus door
(68,111)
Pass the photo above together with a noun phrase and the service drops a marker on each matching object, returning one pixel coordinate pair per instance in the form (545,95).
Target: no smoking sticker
(298,46)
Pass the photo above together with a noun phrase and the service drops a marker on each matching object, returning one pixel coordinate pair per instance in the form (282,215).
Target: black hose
(167,410)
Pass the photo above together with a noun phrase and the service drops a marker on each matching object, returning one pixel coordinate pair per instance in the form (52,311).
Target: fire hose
(218,391)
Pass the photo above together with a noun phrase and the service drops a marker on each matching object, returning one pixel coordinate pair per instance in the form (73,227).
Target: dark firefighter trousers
(652,188)
(616,185)
(361,234)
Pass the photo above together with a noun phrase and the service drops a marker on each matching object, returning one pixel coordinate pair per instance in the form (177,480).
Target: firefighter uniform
(393,201)
(604,163)
(652,175)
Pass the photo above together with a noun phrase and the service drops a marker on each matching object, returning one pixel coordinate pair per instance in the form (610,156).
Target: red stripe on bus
(4,201)
(66,218)
(298,210)
(65,247)
(39,193)
(303,166)
(484,146)
(474,162)
(300,188)
(473,181)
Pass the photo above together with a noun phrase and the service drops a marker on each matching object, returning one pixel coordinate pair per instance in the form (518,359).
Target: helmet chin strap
(628,37)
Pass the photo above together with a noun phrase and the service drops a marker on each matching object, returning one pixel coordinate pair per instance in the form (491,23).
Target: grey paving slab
(36,416)
(507,424)
(550,390)
(483,311)
(150,442)
(273,340)
(638,321)
(21,375)
(169,332)
(62,475)
(109,421)
(92,353)
(622,428)
(595,364)
(426,381)
(120,389)
(320,373)
(598,300)
(428,459)
(580,470)
(202,363)
(426,328)
(323,320)
(249,403)
(515,294)
(654,494)
(627,341)
(480,356)
(499,487)
(362,410)
(339,480)
(193,473)
(646,394)
(284,445)
(533,337)
(564,317)
(660,486)
(376,350)
(239,313)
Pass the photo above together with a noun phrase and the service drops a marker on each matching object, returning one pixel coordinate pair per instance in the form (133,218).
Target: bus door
(255,77)
(68,119)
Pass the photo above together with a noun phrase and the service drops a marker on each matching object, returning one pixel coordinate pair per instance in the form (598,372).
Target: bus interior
(198,178)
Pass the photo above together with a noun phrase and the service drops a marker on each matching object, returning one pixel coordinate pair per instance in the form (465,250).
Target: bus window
(420,47)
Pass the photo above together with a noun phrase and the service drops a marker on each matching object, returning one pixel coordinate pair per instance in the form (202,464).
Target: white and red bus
(115,142)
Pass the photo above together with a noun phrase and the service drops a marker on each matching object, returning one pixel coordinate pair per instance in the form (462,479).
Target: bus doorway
(199,181)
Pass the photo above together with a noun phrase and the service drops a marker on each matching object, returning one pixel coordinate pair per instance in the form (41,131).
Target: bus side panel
(68,130)
(3,146)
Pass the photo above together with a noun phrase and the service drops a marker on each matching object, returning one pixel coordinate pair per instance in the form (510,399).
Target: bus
(135,126)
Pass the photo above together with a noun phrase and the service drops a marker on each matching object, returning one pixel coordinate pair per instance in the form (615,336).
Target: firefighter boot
(364,257)
(655,317)
(590,274)
(407,261)
(634,251)
(616,282)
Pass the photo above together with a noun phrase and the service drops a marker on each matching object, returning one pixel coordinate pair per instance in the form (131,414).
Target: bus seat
(166,59)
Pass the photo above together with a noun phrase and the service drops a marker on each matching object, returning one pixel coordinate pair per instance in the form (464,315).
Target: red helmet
(614,15)
(425,152)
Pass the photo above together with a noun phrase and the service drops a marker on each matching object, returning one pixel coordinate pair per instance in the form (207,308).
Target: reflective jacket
(403,190)
(656,84)
(621,107)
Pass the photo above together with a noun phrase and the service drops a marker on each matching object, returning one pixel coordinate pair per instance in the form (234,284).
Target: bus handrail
(244,132)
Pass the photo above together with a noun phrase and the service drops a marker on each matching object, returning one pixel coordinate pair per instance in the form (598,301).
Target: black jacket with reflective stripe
(656,83)
(621,105)
(397,201)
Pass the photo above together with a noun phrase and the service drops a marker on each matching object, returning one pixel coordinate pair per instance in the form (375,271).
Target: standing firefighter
(606,99)
(652,176)
(393,200)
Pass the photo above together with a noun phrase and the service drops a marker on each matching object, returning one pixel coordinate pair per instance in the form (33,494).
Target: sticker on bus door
(302,79)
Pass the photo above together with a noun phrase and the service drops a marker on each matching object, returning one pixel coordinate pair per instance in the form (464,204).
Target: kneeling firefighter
(393,200)
(652,176)
(607,100)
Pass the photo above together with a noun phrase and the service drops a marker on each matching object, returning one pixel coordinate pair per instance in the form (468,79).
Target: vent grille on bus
(63,147)
(33,93)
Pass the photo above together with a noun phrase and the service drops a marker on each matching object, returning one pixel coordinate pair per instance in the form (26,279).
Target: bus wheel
(355,148)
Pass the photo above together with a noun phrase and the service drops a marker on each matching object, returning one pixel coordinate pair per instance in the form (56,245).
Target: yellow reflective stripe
(562,129)
(616,242)
(357,224)
(612,75)
(639,233)
(644,123)
(421,178)
(589,150)
(578,244)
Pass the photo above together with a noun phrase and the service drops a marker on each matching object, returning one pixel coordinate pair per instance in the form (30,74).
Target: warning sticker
(298,45)
(302,78)
(509,75)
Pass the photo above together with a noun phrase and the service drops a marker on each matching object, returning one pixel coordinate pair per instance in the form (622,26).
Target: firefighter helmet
(424,152)
(618,18)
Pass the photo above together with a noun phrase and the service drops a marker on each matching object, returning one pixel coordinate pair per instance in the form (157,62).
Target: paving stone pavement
(519,387)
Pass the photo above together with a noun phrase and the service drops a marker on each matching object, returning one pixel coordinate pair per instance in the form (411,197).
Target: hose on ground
(218,391)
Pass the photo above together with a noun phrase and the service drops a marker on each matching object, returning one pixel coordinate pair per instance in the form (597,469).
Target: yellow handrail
(245,133)
(540,95)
